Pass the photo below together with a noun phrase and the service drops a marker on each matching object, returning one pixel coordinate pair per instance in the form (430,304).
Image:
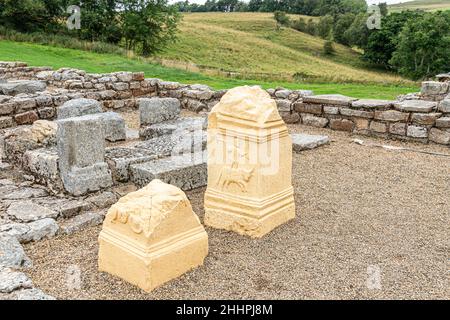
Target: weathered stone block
(155,110)
(80,222)
(43,164)
(302,142)
(361,125)
(314,121)
(283,105)
(24,104)
(78,107)
(430,88)
(27,211)
(425,118)
(12,88)
(417,132)
(168,239)
(290,117)
(249,191)
(341,125)
(416,106)
(356,113)
(46,113)
(26,117)
(38,230)
(439,136)
(330,110)
(444,106)
(398,128)
(6,108)
(329,99)
(81,151)
(379,127)
(11,253)
(372,104)
(308,108)
(11,280)
(187,171)
(392,116)
(6,122)
(177,126)
(443,122)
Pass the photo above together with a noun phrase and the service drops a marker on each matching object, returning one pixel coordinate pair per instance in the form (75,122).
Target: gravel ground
(358,209)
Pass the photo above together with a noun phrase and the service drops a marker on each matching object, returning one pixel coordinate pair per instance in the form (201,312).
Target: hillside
(249,44)
(39,55)
(427,5)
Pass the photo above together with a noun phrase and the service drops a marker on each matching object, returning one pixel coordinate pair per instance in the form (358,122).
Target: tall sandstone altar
(249,164)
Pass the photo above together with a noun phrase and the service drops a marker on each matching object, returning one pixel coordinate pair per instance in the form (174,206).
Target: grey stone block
(33,231)
(11,253)
(120,159)
(43,164)
(12,88)
(79,107)
(415,106)
(113,126)
(31,294)
(302,142)
(155,110)
(81,151)
(80,222)
(11,280)
(329,99)
(186,172)
(175,144)
(187,124)
(27,211)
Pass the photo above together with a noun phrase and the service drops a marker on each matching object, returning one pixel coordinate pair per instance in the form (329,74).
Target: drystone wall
(423,116)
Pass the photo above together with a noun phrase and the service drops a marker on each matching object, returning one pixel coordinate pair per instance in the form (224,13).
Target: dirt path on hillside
(360,210)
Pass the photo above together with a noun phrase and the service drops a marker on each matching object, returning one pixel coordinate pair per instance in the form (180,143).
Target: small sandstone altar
(152,236)
(249,164)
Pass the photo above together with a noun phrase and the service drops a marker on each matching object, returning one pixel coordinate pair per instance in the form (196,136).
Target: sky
(368,1)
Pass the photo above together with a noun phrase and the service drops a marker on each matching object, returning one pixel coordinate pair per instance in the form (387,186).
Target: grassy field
(251,45)
(38,55)
(427,5)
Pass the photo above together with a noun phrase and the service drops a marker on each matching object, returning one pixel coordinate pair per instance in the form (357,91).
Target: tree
(358,33)
(381,44)
(328,47)
(148,25)
(281,18)
(311,27)
(423,46)
(343,23)
(30,15)
(325,26)
(299,25)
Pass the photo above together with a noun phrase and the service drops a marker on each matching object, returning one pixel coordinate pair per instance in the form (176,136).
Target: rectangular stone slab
(302,142)
(332,99)
(186,172)
(188,124)
(415,106)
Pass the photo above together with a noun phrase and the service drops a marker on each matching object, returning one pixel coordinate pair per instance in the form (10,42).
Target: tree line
(144,26)
(306,7)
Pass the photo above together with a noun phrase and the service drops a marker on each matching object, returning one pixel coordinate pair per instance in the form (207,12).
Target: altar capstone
(152,236)
(249,164)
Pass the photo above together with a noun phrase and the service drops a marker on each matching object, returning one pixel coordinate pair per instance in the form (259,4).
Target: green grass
(250,44)
(38,55)
(427,5)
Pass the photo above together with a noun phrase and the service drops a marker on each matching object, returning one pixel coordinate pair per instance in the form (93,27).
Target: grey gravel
(357,208)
